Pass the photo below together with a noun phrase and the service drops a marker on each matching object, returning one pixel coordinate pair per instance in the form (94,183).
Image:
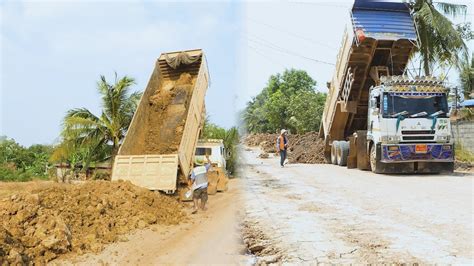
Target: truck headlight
(390,138)
(446,138)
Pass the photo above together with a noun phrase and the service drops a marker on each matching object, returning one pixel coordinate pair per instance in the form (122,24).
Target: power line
(284,50)
(264,56)
(291,33)
(320,4)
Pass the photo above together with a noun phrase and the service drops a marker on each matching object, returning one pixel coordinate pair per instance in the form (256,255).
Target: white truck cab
(408,122)
(214,148)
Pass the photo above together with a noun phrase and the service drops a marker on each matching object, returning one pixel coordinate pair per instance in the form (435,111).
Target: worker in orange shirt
(282,146)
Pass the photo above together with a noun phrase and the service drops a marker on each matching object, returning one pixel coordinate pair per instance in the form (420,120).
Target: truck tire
(373,159)
(334,147)
(342,153)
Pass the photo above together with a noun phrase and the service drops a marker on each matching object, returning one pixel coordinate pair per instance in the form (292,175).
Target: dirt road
(326,213)
(314,214)
(209,237)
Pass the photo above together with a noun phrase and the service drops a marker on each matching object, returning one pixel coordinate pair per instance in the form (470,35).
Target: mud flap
(435,167)
(212,178)
(222,182)
(327,151)
(363,162)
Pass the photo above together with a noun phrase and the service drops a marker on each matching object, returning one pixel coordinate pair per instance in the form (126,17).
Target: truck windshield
(394,103)
(203,151)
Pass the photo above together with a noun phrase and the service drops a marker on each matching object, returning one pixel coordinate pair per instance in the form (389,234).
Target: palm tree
(466,75)
(87,137)
(439,39)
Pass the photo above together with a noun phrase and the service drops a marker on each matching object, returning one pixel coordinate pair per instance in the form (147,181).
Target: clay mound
(303,148)
(307,148)
(254,140)
(39,226)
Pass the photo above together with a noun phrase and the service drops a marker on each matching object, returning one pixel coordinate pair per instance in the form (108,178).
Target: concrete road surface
(326,213)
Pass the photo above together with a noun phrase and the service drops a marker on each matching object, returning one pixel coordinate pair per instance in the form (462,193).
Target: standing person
(282,146)
(199,181)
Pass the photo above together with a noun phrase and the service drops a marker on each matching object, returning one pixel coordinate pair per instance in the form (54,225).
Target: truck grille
(418,137)
(417,132)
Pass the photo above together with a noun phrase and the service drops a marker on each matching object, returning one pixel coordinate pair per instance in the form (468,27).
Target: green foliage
(466,114)
(87,138)
(463,155)
(303,107)
(230,138)
(18,163)
(466,75)
(441,42)
(288,101)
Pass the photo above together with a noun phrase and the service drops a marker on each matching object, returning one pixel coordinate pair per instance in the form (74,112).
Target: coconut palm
(439,40)
(466,75)
(93,137)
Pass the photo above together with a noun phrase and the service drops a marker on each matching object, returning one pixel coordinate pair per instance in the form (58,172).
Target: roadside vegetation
(87,138)
(18,163)
(463,155)
(231,140)
(289,101)
(466,77)
(441,41)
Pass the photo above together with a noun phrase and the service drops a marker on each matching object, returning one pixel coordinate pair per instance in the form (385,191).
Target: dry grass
(464,155)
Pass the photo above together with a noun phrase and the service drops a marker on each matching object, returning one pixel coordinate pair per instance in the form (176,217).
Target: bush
(18,163)
(7,173)
(463,155)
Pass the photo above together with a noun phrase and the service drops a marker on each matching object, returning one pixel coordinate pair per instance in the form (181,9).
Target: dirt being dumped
(167,117)
(303,148)
(38,226)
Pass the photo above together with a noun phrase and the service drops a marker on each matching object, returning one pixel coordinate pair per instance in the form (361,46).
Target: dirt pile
(303,148)
(40,225)
(265,141)
(306,148)
(167,117)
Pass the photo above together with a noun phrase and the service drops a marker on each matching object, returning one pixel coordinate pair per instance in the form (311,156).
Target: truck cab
(408,128)
(215,149)
(217,176)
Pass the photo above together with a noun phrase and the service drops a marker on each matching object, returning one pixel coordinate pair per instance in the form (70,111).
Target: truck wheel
(334,147)
(342,153)
(373,159)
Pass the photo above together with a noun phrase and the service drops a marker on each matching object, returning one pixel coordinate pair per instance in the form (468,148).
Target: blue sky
(311,28)
(53,52)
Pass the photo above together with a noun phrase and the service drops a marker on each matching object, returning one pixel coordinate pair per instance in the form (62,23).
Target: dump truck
(375,117)
(158,150)
(215,149)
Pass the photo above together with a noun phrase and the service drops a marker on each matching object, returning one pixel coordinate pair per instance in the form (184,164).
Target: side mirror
(373,102)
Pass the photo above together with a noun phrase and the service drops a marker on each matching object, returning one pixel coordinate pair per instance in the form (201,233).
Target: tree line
(289,101)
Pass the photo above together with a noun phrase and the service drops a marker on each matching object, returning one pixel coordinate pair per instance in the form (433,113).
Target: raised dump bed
(379,42)
(161,140)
